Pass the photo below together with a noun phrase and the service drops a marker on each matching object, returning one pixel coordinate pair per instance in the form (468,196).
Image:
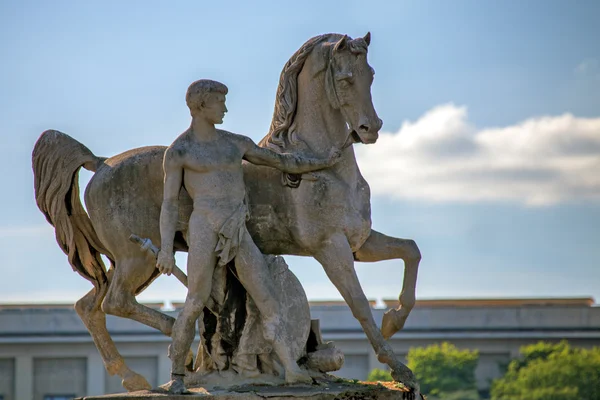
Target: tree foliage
(547,371)
(443,369)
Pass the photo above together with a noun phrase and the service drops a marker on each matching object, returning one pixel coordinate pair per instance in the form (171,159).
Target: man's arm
(169,212)
(287,162)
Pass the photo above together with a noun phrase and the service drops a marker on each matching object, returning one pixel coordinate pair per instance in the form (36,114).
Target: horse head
(324,96)
(348,79)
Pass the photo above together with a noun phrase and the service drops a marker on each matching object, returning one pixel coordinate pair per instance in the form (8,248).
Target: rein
(336,100)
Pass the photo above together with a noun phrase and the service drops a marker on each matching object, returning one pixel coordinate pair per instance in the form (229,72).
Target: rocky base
(323,389)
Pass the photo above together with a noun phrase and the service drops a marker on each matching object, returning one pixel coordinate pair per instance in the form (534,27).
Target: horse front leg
(380,247)
(338,263)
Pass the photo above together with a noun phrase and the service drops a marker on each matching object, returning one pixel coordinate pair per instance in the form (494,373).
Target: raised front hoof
(134,382)
(393,321)
(298,376)
(175,386)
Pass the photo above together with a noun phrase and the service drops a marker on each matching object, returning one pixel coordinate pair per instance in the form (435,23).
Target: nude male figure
(208,161)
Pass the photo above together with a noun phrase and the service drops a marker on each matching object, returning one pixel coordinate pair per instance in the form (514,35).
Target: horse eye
(348,78)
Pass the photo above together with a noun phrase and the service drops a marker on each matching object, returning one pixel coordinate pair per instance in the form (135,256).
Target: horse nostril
(364,128)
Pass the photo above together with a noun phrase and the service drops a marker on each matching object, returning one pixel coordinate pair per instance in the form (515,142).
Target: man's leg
(253,272)
(201,264)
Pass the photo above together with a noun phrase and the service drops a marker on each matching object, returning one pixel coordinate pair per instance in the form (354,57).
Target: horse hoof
(393,321)
(135,382)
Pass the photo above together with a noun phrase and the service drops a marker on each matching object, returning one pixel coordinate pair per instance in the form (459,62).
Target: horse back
(125,196)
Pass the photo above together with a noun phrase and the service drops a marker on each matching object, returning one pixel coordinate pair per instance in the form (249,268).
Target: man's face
(214,108)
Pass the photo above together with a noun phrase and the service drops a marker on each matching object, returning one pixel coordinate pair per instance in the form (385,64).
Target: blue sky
(491,127)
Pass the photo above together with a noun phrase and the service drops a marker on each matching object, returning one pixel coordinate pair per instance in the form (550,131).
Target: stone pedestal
(324,390)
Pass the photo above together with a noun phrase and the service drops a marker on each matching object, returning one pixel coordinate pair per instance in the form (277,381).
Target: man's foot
(175,385)
(297,375)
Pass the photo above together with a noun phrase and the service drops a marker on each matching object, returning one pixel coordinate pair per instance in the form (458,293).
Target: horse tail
(56,161)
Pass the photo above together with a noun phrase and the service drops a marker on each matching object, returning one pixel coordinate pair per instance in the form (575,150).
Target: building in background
(47,354)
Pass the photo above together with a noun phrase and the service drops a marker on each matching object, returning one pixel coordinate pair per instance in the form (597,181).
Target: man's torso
(213,174)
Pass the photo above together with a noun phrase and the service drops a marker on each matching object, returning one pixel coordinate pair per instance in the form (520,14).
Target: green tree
(539,351)
(379,375)
(548,371)
(443,370)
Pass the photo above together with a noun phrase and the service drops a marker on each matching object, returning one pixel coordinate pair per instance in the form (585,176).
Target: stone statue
(208,163)
(323,100)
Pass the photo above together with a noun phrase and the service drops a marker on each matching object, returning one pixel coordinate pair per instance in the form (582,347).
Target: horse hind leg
(94,319)
(379,247)
(130,277)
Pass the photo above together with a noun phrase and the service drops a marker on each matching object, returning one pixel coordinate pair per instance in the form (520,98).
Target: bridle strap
(338,104)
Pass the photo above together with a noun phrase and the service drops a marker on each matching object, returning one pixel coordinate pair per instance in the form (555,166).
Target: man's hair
(199,91)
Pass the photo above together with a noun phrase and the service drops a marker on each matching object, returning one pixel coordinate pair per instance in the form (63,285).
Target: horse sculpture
(323,101)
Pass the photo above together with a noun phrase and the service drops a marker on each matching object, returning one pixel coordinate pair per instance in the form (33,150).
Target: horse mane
(286,98)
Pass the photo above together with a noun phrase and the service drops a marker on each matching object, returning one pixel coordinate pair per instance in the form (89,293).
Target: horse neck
(321,128)
(316,123)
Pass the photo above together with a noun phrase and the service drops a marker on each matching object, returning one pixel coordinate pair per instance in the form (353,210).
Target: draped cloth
(229,238)
(231,235)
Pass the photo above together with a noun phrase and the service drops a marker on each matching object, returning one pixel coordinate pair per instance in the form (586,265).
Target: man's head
(206,98)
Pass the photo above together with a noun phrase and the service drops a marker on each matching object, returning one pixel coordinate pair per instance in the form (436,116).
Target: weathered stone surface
(326,390)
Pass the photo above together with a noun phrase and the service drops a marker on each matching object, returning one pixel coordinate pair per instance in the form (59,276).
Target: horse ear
(341,44)
(367,38)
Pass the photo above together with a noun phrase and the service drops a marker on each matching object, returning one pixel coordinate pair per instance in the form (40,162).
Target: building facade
(47,354)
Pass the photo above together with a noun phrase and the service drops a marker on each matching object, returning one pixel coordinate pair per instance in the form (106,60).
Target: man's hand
(335,155)
(165,262)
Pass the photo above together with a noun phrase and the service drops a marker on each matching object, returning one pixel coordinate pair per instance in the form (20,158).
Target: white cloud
(441,157)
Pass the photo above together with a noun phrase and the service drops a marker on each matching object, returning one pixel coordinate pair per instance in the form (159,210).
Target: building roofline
(385,303)
(504,302)
(478,302)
